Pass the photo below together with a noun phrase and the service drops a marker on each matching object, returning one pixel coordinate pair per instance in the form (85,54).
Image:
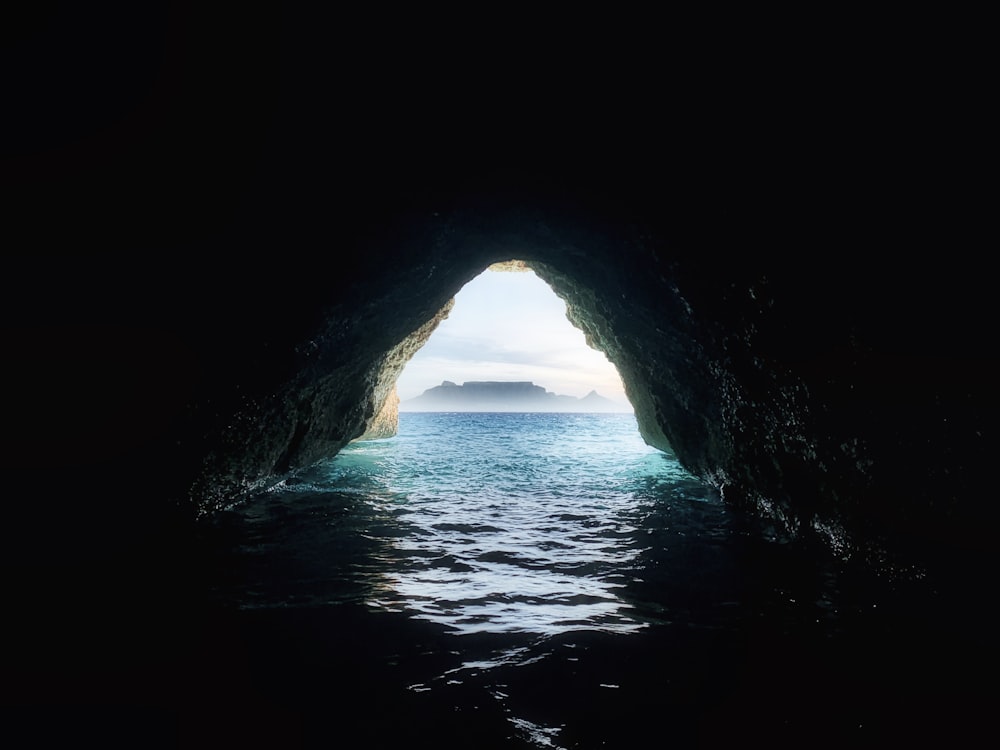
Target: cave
(763,407)
(217,273)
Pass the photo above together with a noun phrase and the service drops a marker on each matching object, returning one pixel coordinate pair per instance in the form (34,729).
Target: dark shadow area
(218,221)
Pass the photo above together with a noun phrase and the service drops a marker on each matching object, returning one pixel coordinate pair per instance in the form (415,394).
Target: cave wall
(755,392)
(223,246)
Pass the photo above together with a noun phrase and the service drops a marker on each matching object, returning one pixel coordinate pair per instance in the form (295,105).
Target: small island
(510,396)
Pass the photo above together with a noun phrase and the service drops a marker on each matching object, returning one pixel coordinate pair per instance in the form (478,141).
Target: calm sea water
(548,580)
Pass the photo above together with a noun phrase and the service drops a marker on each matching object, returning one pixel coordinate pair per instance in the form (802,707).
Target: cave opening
(471,565)
(525,499)
(516,493)
(508,326)
(561,514)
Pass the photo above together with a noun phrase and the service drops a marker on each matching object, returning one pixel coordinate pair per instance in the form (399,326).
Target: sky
(511,326)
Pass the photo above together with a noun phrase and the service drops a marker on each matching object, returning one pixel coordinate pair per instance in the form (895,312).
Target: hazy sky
(511,326)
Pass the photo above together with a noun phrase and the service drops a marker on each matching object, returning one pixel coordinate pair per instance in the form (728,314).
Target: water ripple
(528,523)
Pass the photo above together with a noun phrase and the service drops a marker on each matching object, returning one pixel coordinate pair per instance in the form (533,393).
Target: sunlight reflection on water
(483,523)
(537,588)
(531,524)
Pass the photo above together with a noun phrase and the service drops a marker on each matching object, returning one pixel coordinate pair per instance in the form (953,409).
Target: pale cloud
(511,326)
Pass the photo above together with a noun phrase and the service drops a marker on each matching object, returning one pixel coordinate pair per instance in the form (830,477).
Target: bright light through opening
(511,326)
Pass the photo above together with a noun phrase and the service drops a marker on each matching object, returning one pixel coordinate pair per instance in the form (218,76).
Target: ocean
(528,580)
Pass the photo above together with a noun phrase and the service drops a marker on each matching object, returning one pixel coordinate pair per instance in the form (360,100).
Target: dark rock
(217,276)
(226,228)
(503,396)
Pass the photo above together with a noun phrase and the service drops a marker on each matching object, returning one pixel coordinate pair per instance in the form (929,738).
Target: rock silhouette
(505,396)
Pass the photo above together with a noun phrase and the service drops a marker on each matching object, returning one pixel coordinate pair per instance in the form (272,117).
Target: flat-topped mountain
(492,395)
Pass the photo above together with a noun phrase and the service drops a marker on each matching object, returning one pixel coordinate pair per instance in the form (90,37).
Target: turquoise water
(548,580)
(491,522)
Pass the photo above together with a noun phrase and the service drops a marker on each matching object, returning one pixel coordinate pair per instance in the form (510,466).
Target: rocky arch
(583,310)
(743,431)
(760,273)
(213,247)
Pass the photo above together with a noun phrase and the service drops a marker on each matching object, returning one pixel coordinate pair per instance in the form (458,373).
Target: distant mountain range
(505,396)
